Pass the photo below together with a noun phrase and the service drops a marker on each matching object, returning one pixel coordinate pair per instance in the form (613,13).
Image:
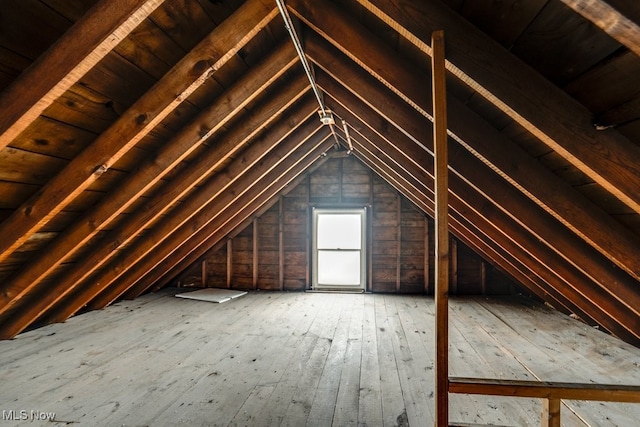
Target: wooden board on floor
(212,295)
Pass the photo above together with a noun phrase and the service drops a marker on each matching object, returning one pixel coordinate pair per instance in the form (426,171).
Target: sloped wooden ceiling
(137,134)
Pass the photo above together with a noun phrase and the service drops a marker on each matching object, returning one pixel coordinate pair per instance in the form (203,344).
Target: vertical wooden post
(307,284)
(255,253)
(281,243)
(453,267)
(442,229)
(483,277)
(398,241)
(551,412)
(426,255)
(204,273)
(229,262)
(370,234)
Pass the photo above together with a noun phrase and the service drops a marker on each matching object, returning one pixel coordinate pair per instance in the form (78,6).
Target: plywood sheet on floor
(216,295)
(271,359)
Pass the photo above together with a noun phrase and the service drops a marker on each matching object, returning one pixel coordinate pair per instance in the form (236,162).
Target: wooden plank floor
(297,359)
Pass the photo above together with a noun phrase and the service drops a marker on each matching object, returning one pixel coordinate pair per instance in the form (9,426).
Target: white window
(339,257)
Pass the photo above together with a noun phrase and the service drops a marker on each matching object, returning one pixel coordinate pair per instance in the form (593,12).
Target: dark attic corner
(433,207)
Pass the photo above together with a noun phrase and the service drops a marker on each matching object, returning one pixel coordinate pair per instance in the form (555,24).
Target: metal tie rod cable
(326,117)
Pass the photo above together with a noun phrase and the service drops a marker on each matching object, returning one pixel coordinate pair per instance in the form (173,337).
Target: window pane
(339,231)
(339,268)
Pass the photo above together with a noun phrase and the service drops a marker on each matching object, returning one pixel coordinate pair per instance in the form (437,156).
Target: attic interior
(150,144)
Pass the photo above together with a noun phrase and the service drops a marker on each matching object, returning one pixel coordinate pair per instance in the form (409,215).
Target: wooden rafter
(166,197)
(519,169)
(198,246)
(416,191)
(595,300)
(506,198)
(206,202)
(543,109)
(165,277)
(487,237)
(89,40)
(199,64)
(246,204)
(188,139)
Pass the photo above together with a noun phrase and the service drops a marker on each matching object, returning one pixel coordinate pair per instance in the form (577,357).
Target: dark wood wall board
(469,269)
(526,140)
(561,167)
(207,93)
(11,65)
(28,168)
(499,283)
(503,20)
(53,138)
(84,201)
(631,130)
(254,51)
(117,80)
(603,199)
(90,113)
(14,194)
(218,11)
(184,21)
(150,49)
(611,83)
(28,27)
(562,45)
(384,287)
(70,9)
(136,157)
(179,117)
(492,114)
(630,220)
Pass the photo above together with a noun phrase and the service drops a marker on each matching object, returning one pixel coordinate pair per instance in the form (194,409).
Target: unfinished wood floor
(299,359)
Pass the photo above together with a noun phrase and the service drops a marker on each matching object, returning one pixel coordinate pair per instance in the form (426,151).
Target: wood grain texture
(164,200)
(238,356)
(206,124)
(610,19)
(511,167)
(75,53)
(566,126)
(135,123)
